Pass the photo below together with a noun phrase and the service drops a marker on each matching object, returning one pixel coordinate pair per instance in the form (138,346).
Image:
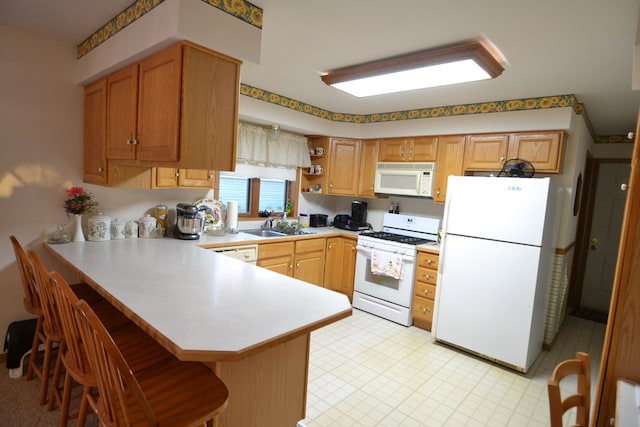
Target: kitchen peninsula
(252,325)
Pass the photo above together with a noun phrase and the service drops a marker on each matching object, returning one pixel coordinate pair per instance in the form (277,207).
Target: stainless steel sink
(264,232)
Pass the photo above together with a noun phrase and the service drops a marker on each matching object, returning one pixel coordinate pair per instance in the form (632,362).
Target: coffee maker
(189,222)
(358,216)
(358,219)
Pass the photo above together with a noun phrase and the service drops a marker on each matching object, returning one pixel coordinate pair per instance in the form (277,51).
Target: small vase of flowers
(78,203)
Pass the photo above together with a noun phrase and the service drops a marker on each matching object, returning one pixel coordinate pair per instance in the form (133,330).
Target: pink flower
(79,201)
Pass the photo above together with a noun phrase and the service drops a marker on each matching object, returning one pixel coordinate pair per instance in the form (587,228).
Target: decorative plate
(215,213)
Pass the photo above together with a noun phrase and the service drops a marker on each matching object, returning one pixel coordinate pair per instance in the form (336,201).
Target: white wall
(41,140)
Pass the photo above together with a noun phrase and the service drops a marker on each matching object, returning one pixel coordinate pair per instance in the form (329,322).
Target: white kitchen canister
(99,228)
(117,229)
(131,230)
(147,226)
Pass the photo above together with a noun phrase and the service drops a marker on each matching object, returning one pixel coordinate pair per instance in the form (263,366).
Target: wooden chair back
(75,356)
(52,325)
(31,297)
(580,367)
(118,388)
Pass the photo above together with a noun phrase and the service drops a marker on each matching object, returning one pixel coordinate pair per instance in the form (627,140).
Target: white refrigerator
(496,262)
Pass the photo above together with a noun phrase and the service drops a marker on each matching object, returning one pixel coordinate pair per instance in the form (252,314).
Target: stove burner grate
(393,237)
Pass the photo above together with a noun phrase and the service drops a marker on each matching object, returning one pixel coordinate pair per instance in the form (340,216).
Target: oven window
(386,281)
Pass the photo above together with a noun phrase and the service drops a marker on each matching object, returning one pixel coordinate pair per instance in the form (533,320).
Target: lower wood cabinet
(340,265)
(302,259)
(425,289)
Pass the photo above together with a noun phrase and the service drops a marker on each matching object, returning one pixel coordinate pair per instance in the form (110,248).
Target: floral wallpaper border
(253,15)
(556,101)
(241,9)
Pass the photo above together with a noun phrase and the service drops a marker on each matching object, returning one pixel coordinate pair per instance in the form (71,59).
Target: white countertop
(199,300)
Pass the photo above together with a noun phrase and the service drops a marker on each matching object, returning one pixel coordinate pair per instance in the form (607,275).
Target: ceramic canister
(117,229)
(131,230)
(99,228)
(147,226)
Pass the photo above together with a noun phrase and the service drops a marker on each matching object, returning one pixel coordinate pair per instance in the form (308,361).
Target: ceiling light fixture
(465,62)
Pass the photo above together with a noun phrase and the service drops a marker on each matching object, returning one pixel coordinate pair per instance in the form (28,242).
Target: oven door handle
(367,252)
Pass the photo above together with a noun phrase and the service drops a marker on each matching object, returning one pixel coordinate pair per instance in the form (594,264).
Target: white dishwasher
(246,253)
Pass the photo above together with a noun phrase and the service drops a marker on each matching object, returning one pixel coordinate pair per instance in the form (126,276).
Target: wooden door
(209,114)
(159,106)
(422,149)
(449,160)
(621,350)
(95,115)
(281,264)
(122,110)
(544,150)
(199,178)
(485,152)
(344,166)
(606,223)
(393,150)
(340,265)
(166,177)
(309,261)
(368,160)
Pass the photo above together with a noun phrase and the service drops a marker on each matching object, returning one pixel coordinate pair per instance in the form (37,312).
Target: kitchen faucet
(268,223)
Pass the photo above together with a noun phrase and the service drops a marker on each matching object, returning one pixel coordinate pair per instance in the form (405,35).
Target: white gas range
(385,265)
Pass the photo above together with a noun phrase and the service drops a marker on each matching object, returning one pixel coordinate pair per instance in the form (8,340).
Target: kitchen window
(255,194)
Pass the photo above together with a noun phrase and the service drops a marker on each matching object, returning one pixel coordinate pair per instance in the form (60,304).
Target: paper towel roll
(232,216)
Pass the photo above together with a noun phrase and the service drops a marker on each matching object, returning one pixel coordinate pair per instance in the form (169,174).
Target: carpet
(585,313)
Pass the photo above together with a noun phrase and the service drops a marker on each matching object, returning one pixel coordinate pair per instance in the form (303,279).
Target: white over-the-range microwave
(405,179)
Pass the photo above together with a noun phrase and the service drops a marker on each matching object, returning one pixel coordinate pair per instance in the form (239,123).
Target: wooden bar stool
(171,393)
(581,399)
(40,360)
(56,298)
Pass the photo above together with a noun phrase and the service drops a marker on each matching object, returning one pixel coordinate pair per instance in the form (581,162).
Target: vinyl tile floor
(365,371)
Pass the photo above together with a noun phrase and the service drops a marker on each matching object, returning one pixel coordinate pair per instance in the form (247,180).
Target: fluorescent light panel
(440,67)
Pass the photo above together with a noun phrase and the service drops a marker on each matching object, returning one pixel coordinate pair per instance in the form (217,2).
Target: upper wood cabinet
(188,178)
(489,152)
(415,149)
(344,166)
(543,150)
(95,114)
(485,152)
(448,162)
(177,107)
(368,159)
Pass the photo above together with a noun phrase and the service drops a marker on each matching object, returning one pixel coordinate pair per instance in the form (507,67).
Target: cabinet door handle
(290,266)
(427,276)
(297,265)
(100,169)
(427,292)
(425,310)
(429,261)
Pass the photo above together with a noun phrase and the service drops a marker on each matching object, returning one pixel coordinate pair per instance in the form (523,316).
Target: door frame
(583,230)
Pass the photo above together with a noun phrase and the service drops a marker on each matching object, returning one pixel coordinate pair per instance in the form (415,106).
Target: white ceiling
(551,47)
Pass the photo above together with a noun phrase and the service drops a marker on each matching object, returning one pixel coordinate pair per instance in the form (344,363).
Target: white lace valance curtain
(260,148)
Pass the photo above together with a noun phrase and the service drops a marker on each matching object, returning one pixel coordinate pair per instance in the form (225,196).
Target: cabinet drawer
(428,260)
(269,250)
(426,275)
(422,309)
(425,291)
(310,245)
